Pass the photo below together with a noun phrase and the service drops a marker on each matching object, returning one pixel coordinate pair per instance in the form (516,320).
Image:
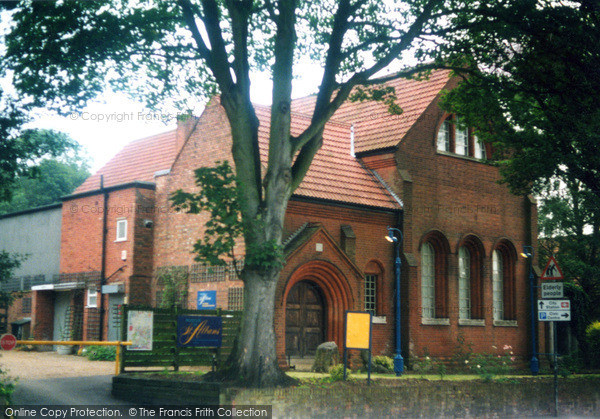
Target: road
(52,379)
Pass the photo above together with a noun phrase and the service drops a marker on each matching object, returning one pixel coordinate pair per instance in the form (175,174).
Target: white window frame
(371,293)
(121,237)
(427,281)
(443,137)
(461,139)
(464,283)
(92,298)
(498,285)
(479,148)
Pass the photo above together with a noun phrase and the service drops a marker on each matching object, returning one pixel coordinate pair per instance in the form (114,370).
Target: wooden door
(304,319)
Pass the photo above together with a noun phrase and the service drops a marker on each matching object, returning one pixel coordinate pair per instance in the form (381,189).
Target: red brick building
(418,172)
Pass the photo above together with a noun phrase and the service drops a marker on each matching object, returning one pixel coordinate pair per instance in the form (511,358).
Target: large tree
(64,53)
(532,87)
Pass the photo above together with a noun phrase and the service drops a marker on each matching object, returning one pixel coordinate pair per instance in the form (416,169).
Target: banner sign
(206,300)
(199,331)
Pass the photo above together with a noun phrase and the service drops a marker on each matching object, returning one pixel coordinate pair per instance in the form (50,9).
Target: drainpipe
(103,267)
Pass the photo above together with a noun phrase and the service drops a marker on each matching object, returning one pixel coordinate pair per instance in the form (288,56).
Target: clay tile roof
(334,174)
(375,128)
(137,161)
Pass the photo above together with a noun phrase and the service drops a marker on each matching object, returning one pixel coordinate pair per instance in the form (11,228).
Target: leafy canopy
(532,87)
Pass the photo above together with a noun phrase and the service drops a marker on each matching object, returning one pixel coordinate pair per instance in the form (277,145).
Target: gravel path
(39,365)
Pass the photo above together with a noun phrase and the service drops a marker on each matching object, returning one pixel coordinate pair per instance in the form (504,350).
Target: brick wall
(459,197)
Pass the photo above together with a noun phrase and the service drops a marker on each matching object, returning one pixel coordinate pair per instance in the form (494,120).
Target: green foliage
(55,180)
(528,89)
(489,366)
(592,334)
(173,282)
(20,155)
(264,256)
(336,373)
(383,364)
(7,388)
(218,195)
(423,366)
(100,353)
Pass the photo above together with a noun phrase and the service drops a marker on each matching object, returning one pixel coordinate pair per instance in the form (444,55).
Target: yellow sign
(358,330)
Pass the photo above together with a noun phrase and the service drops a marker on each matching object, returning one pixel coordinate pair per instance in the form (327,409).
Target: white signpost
(554,310)
(552,290)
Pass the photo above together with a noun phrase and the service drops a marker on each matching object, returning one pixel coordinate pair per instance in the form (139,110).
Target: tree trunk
(253,362)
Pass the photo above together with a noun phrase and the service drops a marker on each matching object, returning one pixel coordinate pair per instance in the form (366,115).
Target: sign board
(554,316)
(552,270)
(140,327)
(199,331)
(358,330)
(564,305)
(206,300)
(553,290)
(8,342)
(554,310)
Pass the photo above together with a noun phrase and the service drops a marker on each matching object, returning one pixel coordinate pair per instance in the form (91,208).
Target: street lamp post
(534,364)
(398,360)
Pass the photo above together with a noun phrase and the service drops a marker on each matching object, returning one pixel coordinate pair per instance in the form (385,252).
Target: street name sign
(552,290)
(554,310)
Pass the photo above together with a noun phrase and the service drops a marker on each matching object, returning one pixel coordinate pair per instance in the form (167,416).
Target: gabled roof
(375,128)
(137,161)
(334,174)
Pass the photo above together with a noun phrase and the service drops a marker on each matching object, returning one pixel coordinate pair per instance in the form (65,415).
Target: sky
(108,124)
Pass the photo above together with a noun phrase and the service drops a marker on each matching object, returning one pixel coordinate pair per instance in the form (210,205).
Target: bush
(490,366)
(336,373)
(592,335)
(7,387)
(100,353)
(383,364)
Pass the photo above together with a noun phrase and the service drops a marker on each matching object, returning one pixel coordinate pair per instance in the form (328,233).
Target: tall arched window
(464,283)
(428,281)
(503,281)
(498,285)
(434,279)
(470,281)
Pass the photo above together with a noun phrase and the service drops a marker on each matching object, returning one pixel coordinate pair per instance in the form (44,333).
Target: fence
(165,352)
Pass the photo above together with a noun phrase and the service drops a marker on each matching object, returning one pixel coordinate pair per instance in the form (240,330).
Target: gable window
(453,137)
(121,230)
(470,283)
(434,280)
(92,298)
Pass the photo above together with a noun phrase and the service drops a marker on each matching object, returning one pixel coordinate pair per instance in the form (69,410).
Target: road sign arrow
(541,305)
(565,315)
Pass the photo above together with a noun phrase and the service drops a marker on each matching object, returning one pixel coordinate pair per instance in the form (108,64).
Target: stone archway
(324,288)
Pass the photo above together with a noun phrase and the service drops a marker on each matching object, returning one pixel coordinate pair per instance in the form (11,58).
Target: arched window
(443,137)
(428,281)
(470,281)
(503,281)
(434,279)
(498,285)
(464,283)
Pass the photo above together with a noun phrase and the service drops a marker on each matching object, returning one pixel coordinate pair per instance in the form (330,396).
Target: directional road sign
(552,290)
(554,310)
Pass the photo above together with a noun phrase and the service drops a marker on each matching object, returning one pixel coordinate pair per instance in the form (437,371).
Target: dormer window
(453,137)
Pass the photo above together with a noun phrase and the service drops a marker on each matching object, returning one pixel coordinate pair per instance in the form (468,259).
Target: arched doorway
(304,319)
